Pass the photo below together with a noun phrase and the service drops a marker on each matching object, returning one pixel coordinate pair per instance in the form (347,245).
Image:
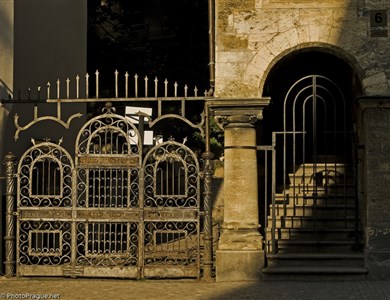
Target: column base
(239,265)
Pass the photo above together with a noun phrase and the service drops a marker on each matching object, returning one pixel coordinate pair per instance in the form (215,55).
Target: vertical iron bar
(58,89)
(315,188)
(87,86)
(141,129)
(136,85)
(67,87)
(126,85)
(77,86)
(10,221)
(114,230)
(173,179)
(105,230)
(73,243)
(99,189)
(183,108)
(211,23)
(273,190)
(265,196)
(110,191)
(116,83)
(146,86)
(48,90)
(116,178)
(304,189)
(48,192)
(208,172)
(141,222)
(97,84)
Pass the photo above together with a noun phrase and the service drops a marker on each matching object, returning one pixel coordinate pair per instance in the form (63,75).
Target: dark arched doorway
(313,207)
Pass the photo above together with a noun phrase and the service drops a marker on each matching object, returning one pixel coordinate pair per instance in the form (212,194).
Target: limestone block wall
(376,180)
(252,35)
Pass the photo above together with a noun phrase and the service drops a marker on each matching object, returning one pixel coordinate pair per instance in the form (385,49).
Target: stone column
(240,256)
(374,182)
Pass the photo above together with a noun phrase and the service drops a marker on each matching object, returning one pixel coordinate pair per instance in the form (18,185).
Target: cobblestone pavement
(60,288)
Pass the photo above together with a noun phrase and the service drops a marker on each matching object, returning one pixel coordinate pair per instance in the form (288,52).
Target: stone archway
(311,123)
(284,72)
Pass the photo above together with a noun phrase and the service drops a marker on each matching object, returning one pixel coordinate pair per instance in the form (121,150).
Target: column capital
(237,111)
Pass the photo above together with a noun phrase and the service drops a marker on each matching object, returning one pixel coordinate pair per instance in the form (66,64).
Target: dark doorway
(310,123)
(298,65)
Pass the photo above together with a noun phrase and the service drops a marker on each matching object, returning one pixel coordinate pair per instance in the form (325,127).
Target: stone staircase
(315,227)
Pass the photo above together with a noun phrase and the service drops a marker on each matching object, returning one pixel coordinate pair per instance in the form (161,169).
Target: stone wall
(252,35)
(375,140)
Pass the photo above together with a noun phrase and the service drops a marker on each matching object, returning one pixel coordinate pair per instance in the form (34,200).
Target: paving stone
(97,289)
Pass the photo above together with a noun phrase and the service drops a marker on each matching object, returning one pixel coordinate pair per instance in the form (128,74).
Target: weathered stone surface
(236,265)
(376,182)
(272,28)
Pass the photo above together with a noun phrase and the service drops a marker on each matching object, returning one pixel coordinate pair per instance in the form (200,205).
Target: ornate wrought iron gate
(113,212)
(119,208)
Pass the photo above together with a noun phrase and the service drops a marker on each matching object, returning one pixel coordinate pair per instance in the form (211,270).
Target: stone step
(318,200)
(314,273)
(312,222)
(308,179)
(302,246)
(351,259)
(311,233)
(310,190)
(340,168)
(329,170)
(318,210)
(333,200)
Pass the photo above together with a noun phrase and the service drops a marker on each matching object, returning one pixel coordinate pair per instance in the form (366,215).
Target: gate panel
(44,210)
(108,213)
(171,206)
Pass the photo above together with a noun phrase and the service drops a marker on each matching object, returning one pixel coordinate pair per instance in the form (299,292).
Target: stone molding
(365,102)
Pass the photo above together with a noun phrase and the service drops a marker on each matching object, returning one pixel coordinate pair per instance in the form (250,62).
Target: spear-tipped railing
(73,94)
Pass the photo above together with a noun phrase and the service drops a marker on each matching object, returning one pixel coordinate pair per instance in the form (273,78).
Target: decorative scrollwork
(45,176)
(109,134)
(171,243)
(107,244)
(44,118)
(44,242)
(171,176)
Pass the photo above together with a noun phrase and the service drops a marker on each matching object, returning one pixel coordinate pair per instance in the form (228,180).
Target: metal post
(9,238)
(273,191)
(211,16)
(208,227)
